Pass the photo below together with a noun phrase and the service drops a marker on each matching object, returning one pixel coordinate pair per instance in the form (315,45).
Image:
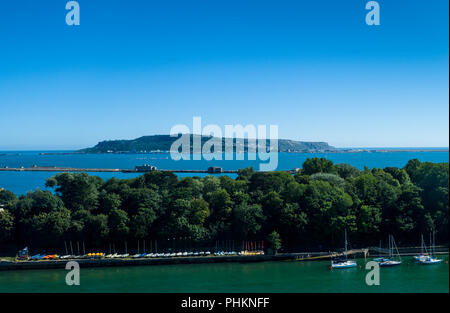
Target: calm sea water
(21,182)
(288,276)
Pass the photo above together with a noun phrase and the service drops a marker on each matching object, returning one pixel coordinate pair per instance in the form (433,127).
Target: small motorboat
(343,264)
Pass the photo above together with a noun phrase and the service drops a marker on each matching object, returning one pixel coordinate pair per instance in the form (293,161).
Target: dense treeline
(309,208)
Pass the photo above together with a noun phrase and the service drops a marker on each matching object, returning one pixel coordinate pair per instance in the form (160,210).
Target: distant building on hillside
(146,168)
(214,169)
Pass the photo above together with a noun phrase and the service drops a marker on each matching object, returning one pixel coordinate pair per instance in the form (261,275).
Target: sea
(22,182)
(273,277)
(278,277)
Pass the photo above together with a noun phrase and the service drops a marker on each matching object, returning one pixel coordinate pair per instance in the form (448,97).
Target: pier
(104,170)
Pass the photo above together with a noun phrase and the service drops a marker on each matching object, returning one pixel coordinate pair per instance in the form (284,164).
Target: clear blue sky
(136,68)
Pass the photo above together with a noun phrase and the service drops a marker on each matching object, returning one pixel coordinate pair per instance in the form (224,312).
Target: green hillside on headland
(164,143)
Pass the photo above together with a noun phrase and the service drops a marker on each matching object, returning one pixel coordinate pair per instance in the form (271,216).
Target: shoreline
(90,263)
(342,150)
(55,264)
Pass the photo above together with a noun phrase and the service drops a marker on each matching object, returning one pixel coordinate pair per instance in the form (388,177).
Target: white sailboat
(390,261)
(380,258)
(423,251)
(430,259)
(343,263)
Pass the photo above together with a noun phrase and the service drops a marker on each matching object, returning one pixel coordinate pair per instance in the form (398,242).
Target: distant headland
(163,143)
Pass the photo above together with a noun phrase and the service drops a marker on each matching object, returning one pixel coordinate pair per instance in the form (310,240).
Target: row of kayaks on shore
(99,255)
(56,256)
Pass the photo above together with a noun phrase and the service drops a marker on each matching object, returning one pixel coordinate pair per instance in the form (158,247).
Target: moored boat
(343,262)
(391,261)
(430,259)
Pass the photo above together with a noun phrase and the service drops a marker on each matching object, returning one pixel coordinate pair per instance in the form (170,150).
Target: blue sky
(136,68)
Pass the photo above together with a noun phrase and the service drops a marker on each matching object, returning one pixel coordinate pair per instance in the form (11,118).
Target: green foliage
(274,241)
(118,222)
(6,196)
(77,190)
(247,220)
(312,207)
(316,165)
(6,225)
(346,170)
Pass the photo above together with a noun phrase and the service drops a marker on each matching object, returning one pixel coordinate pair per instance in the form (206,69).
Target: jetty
(107,170)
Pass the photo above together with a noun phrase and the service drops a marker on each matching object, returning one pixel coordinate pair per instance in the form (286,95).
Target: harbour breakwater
(103,170)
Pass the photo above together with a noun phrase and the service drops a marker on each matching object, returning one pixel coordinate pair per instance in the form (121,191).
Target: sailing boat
(344,262)
(430,259)
(423,248)
(380,258)
(390,261)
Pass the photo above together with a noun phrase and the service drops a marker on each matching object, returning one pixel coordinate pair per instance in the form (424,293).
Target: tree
(274,241)
(247,220)
(199,211)
(142,222)
(368,221)
(6,196)
(346,170)
(220,203)
(118,221)
(96,229)
(49,228)
(272,206)
(6,225)
(141,198)
(316,165)
(77,190)
(245,174)
(333,179)
(293,221)
(108,202)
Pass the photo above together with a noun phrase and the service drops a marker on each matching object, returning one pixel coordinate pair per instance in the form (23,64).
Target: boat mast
(396,248)
(390,246)
(379,251)
(431,246)
(424,246)
(421,244)
(434,243)
(346,257)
